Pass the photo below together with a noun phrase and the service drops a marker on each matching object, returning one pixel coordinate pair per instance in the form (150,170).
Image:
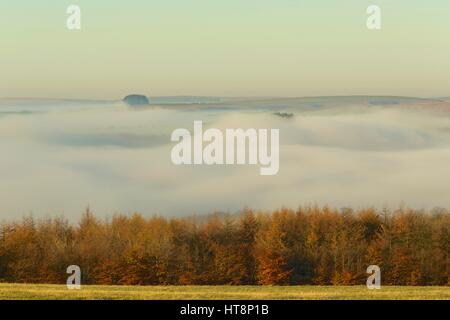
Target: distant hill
(136,100)
(272,104)
(186,100)
(45,104)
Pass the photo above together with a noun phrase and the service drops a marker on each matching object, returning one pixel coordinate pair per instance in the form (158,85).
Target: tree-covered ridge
(311,245)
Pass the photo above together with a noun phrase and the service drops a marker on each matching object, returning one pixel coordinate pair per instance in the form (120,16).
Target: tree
(272,254)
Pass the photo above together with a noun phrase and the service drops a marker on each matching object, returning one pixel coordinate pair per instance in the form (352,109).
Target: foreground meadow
(43,292)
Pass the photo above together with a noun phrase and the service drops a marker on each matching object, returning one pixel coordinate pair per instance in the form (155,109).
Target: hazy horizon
(262,97)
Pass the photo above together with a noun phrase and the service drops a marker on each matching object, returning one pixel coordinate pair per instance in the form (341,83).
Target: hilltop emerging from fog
(275,104)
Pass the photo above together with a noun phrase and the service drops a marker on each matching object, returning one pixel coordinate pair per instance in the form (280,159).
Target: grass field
(27,291)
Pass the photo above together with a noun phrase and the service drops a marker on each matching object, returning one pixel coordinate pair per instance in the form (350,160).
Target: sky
(224,48)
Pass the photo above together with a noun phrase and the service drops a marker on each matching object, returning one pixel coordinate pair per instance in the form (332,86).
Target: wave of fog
(118,160)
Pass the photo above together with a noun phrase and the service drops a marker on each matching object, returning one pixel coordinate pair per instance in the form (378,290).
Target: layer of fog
(58,161)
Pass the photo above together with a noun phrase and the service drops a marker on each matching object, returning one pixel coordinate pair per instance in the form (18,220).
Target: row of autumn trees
(309,246)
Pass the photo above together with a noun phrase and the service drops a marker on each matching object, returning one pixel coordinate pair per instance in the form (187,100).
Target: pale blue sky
(224,48)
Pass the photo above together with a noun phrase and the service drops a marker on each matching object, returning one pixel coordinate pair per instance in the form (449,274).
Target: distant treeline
(311,245)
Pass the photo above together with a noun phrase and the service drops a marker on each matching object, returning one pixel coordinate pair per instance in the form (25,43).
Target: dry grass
(38,292)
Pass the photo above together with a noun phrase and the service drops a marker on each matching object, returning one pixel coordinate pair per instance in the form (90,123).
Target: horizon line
(229,97)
